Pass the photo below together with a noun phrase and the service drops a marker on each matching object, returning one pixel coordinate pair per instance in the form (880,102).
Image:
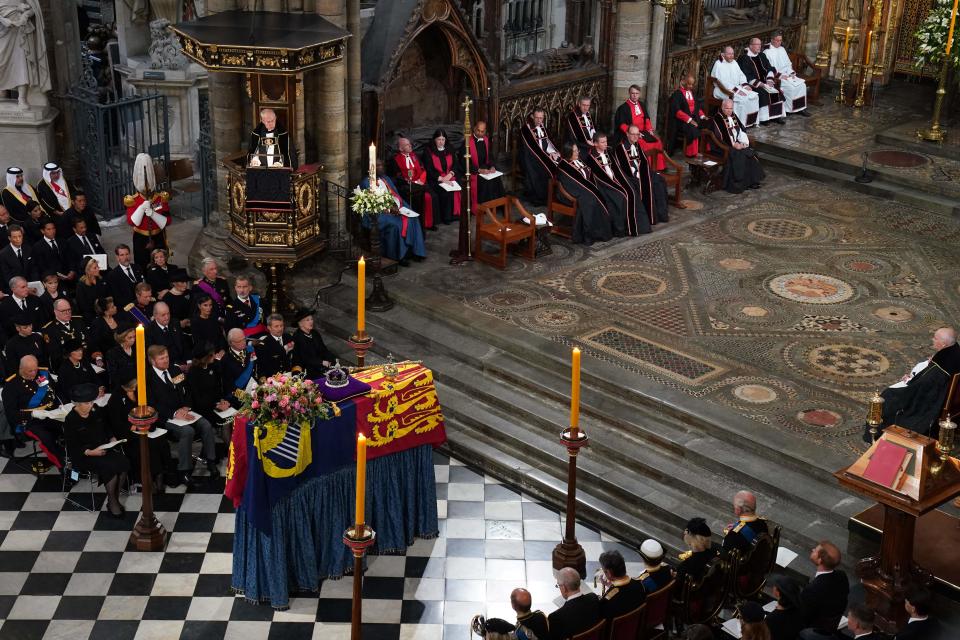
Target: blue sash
(258,314)
(244,378)
(37,399)
(137,314)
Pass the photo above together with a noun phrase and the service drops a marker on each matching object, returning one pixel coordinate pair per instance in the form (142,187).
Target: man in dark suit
(124,277)
(535,621)
(860,621)
(274,354)
(50,255)
(16,259)
(622,594)
(81,244)
(162,332)
(824,600)
(80,210)
(19,302)
(580,611)
(920,626)
(171,398)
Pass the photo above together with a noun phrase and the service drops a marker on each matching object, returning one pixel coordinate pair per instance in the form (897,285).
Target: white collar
(822,573)
(860,635)
(160,325)
(160,372)
(912,620)
(576,594)
(752,54)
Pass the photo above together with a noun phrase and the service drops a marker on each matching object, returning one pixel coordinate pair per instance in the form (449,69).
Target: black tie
(129,272)
(166,378)
(20,258)
(53,245)
(87,244)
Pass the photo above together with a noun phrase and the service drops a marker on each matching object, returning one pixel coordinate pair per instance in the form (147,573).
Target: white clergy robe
(746,103)
(794,89)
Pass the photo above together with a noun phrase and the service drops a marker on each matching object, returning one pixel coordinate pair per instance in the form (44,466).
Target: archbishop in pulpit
(270,143)
(401,237)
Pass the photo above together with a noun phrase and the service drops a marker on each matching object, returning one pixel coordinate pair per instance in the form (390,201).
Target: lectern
(907,475)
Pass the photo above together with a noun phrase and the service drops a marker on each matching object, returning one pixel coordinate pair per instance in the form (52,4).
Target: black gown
(87,295)
(538,167)
(81,434)
(207,330)
(756,69)
(258,135)
(592,223)
(616,197)
(580,131)
(636,174)
(917,405)
(309,353)
(446,204)
(743,166)
(481,189)
(101,337)
(69,376)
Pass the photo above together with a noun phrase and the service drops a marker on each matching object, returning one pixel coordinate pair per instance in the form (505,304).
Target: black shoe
(804,113)
(765,123)
(214,471)
(418,258)
(8,448)
(404,263)
(185,478)
(782,120)
(754,186)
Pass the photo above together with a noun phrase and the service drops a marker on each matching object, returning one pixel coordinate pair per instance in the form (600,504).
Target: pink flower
(284,401)
(254,405)
(271,398)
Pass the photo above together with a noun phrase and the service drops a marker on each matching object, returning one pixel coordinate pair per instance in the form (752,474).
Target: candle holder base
(148,534)
(933,134)
(379,299)
(359,544)
(142,418)
(360,343)
(358,541)
(570,554)
(572,442)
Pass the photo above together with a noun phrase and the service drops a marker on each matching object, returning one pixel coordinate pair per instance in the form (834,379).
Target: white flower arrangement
(373,200)
(932,37)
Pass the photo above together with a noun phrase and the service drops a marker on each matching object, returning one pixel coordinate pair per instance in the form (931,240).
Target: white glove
(254,161)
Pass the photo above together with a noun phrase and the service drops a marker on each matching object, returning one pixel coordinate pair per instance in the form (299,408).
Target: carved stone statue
(165,52)
(23,52)
(723,17)
(550,61)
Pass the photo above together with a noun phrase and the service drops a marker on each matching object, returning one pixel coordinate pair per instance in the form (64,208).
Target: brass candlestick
(935,133)
(875,416)
(358,538)
(569,553)
(866,73)
(148,534)
(841,97)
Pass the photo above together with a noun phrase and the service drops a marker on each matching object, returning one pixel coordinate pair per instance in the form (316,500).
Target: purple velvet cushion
(352,389)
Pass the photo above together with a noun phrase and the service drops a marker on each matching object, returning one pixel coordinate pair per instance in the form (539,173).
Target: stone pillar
(329,105)
(824,13)
(354,88)
(225,113)
(133,38)
(632,49)
(656,61)
(63,53)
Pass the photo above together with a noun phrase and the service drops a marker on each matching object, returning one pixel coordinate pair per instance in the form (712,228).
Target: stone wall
(631,56)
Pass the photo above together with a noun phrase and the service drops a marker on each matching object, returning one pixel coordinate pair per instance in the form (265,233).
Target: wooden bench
(560,204)
(672,175)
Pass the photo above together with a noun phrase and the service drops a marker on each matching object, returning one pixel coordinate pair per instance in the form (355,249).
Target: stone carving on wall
(165,52)
(724,17)
(23,52)
(550,61)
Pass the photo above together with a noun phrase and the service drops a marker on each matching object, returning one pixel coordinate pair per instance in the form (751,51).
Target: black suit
(928,629)
(9,309)
(272,357)
(11,265)
(76,249)
(824,601)
(48,260)
(166,396)
(121,286)
(786,624)
(171,338)
(575,616)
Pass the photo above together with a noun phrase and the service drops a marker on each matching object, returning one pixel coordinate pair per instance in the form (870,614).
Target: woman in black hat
(179,298)
(121,357)
(752,626)
(310,354)
(76,370)
(85,432)
(118,410)
(786,621)
(204,324)
(696,535)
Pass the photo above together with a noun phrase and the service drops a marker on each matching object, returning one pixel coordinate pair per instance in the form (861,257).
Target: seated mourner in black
(694,562)
(86,434)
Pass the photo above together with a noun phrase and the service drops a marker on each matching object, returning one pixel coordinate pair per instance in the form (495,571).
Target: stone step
(880,187)
(913,143)
(888,175)
(672,480)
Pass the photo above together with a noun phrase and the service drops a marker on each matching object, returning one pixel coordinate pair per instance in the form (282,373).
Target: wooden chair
(951,406)
(503,230)
(627,626)
(596,632)
(700,601)
(712,149)
(809,73)
(751,569)
(709,101)
(560,204)
(672,174)
(657,613)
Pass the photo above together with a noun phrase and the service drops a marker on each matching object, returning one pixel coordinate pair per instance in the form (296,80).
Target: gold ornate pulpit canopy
(272,50)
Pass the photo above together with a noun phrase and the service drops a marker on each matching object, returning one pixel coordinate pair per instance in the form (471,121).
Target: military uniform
(219,287)
(56,334)
(741,535)
(148,234)
(246,314)
(235,374)
(624,595)
(20,398)
(694,563)
(274,356)
(19,346)
(655,579)
(535,621)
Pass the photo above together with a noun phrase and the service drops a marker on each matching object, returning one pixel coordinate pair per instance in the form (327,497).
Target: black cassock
(437,163)
(592,223)
(259,138)
(580,130)
(615,195)
(636,174)
(538,167)
(743,167)
(680,132)
(756,69)
(917,405)
(481,189)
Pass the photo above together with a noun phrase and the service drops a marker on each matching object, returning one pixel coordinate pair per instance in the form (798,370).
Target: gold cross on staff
(466,103)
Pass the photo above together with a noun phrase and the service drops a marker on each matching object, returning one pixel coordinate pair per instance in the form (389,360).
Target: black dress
(206,387)
(309,353)
(118,409)
(207,330)
(89,433)
(69,376)
(87,295)
(100,337)
(159,277)
(119,364)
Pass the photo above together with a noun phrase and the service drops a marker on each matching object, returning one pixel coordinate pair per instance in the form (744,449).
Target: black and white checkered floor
(67,573)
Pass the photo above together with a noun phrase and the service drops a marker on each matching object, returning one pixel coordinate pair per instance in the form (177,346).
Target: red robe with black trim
(416,175)
(635,113)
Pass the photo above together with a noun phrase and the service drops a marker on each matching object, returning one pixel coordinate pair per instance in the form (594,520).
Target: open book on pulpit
(901,461)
